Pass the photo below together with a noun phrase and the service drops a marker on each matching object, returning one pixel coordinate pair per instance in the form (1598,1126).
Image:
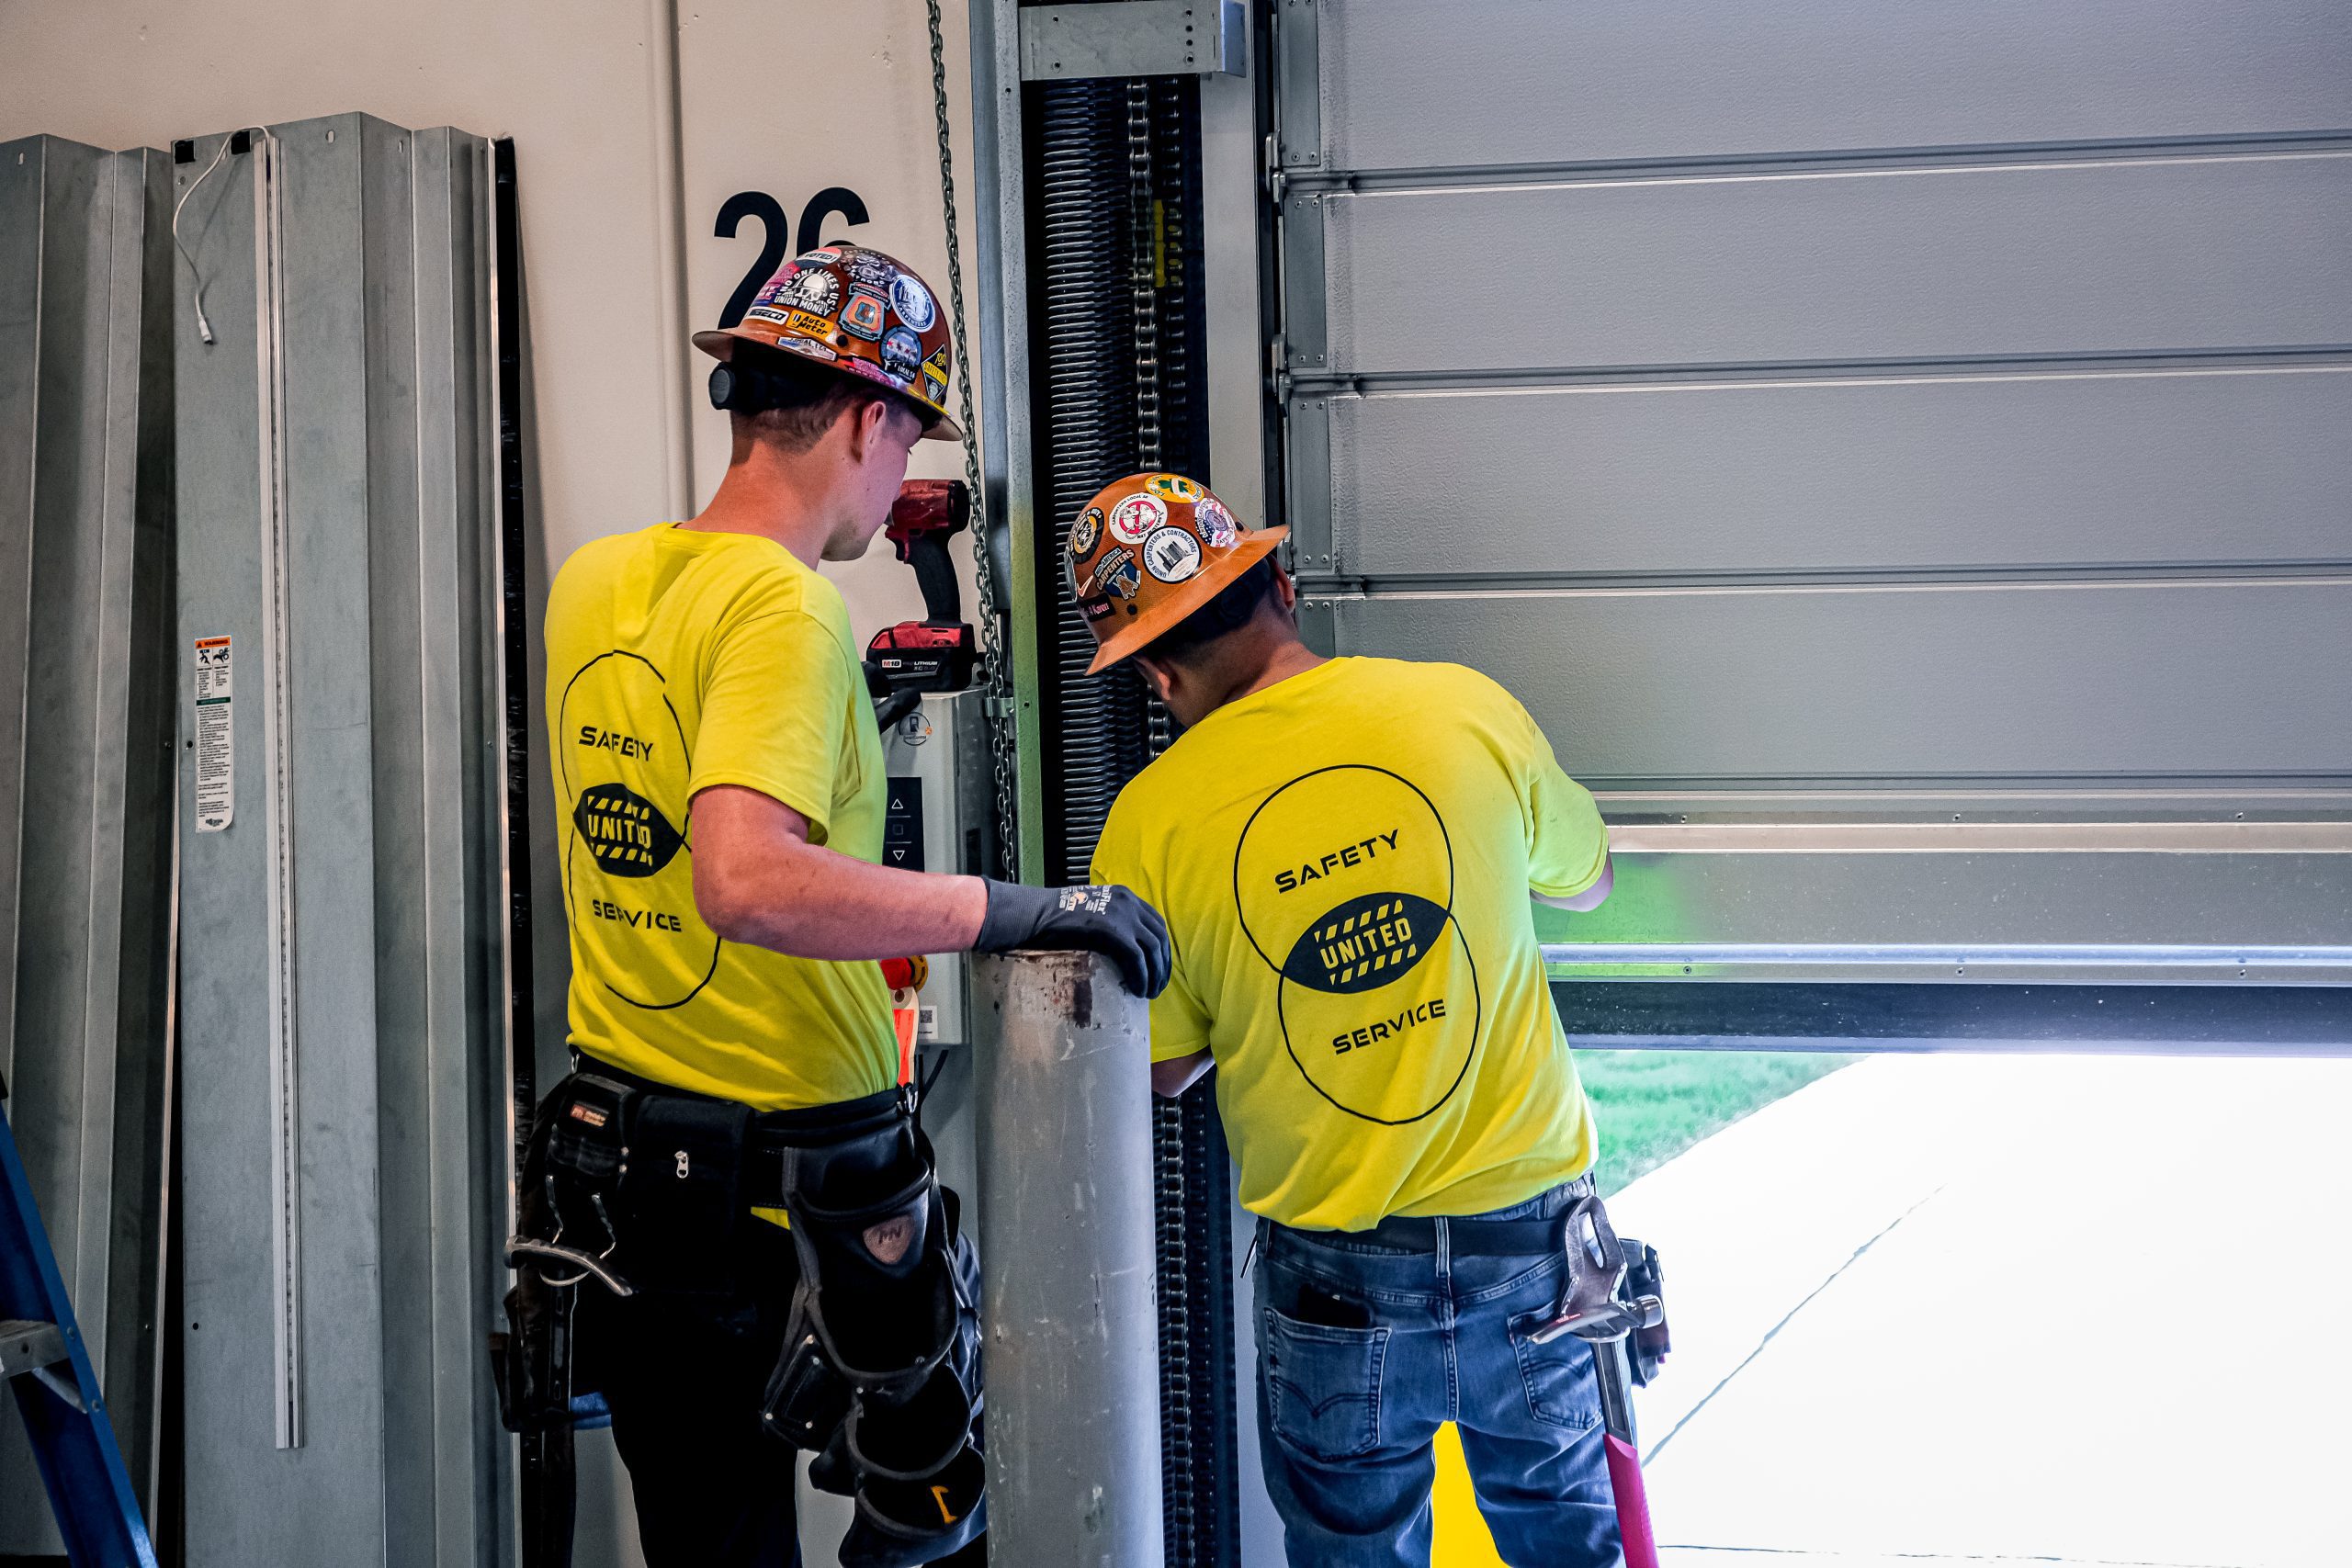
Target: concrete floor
(2010,1310)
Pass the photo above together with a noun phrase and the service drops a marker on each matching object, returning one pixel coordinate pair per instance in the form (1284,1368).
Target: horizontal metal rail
(1879,956)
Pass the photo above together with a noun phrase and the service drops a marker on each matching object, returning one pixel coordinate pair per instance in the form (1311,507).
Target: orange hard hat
(860,311)
(1148,552)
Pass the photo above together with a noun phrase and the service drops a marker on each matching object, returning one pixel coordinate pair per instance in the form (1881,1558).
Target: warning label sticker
(216,738)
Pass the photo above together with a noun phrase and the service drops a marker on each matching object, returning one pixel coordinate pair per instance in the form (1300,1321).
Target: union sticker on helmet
(808,347)
(1215,524)
(1172,554)
(863,315)
(1136,516)
(901,354)
(815,289)
(1116,573)
(1172,487)
(1085,531)
(912,301)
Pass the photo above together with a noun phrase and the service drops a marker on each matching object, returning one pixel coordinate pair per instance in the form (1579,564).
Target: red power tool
(936,653)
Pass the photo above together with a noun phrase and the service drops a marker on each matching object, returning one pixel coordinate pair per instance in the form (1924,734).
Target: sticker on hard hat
(767,313)
(901,354)
(863,315)
(1172,487)
(1116,572)
(813,289)
(624,831)
(1172,554)
(1215,524)
(807,346)
(912,301)
(819,257)
(870,269)
(1136,516)
(804,321)
(932,387)
(1085,531)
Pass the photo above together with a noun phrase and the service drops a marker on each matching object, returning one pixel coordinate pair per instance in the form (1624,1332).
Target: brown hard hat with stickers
(863,313)
(1148,552)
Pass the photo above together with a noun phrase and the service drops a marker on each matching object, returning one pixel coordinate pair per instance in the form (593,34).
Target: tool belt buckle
(1593,1305)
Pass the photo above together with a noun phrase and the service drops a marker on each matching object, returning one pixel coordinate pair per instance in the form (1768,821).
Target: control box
(941,818)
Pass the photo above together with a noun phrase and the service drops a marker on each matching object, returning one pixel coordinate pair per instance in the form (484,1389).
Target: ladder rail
(46,1365)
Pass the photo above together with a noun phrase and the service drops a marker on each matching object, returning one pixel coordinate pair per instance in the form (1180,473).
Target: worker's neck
(1260,655)
(786,498)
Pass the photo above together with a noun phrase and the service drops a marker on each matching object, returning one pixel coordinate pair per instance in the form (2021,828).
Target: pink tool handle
(1633,1503)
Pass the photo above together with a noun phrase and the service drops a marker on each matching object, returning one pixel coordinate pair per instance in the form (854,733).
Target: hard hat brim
(1185,598)
(720,346)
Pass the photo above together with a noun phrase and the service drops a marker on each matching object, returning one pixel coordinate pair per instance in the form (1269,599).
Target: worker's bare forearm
(1173,1077)
(1591,898)
(758,880)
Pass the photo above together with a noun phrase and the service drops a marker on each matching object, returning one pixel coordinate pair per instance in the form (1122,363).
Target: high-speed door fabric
(1854,412)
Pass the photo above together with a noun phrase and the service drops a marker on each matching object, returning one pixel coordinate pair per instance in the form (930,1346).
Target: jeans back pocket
(1563,1386)
(1322,1385)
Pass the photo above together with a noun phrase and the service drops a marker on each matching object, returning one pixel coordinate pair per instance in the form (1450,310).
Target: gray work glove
(1111,920)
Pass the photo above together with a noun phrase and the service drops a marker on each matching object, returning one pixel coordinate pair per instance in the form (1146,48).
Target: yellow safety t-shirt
(1344,860)
(676,661)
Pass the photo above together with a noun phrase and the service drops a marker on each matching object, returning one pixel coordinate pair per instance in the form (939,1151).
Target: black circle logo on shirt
(1344,882)
(624,831)
(622,759)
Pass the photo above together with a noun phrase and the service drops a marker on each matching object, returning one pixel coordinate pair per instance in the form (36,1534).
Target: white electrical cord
(203,327)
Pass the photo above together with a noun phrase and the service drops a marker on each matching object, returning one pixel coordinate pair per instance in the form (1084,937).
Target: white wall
(786,96)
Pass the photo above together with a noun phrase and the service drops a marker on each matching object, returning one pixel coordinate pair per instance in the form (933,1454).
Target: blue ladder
(42,1360)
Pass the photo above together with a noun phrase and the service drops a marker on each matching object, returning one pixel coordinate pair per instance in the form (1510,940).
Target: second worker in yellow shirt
(1345,850)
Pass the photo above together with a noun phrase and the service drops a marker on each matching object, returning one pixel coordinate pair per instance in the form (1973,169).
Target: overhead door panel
(1839,420)
(2042,259)
(1635,79)
(2058,684)
(1960,473)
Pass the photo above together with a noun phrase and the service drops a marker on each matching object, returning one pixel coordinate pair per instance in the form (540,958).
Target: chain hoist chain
(1143,273)
(996,679)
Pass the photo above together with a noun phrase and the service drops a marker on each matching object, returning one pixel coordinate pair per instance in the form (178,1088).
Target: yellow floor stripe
(1462,1538)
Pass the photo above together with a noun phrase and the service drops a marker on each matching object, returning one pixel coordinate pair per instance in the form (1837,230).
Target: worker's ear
(1285,591)
(1163,676)
(869,423)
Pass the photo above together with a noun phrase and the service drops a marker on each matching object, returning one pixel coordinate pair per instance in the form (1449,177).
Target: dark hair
(1235,606)
(797,402)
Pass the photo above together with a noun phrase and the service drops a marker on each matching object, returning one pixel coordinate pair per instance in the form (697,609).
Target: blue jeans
(1363,1350)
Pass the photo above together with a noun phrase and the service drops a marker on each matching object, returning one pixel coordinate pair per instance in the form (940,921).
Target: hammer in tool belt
(1612,1298)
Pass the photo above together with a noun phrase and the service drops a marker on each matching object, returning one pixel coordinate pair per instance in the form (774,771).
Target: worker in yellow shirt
(719,779)
(1345,850)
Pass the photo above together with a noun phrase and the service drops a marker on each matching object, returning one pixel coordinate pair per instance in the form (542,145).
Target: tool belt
(1612,1289)
(638,1187)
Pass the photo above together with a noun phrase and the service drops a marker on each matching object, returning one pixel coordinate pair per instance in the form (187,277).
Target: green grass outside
(1652,1105)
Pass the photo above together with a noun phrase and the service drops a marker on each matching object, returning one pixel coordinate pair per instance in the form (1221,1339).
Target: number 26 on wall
(776,226)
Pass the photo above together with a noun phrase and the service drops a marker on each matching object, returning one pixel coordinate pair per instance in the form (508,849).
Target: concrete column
(1064,1099)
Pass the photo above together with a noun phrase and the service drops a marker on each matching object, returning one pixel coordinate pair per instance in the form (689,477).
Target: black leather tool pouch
(682,1205)
(586,1117)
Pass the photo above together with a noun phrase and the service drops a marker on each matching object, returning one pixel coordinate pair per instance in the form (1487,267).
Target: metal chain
(996,678)
(1143,273)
